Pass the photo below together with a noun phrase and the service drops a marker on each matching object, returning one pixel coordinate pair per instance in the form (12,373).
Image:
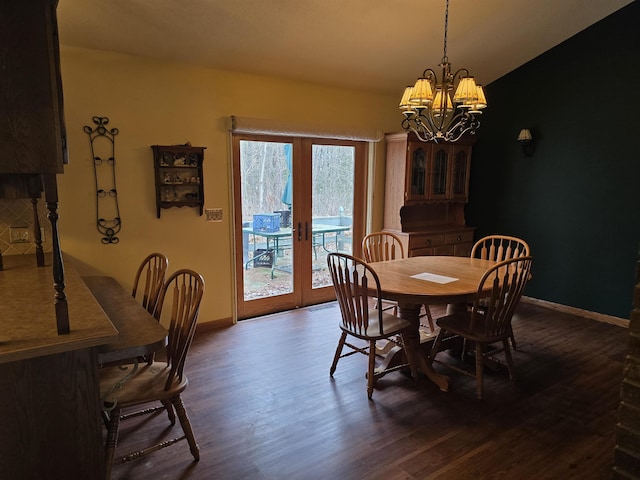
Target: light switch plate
(213,214)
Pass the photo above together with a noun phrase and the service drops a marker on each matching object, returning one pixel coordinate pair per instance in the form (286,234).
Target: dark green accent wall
(577,199)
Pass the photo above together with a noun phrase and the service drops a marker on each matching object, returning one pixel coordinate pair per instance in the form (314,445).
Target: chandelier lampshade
(443,109)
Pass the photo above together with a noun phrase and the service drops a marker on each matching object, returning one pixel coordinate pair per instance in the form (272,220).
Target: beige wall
(154,102)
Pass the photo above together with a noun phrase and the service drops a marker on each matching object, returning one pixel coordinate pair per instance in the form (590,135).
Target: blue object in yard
(266,222)
(287,192)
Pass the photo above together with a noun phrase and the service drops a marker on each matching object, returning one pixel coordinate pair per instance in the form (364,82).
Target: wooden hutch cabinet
(426,189)
(178,174)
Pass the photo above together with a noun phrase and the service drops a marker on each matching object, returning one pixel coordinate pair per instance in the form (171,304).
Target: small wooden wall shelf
(178,176)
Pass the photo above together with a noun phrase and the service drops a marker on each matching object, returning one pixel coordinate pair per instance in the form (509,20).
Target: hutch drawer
(424,240)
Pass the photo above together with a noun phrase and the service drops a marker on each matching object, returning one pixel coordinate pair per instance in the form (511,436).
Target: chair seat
(390,323)
(458,324)
(146,385)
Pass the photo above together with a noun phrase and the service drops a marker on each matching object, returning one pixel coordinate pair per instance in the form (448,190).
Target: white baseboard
(600,317)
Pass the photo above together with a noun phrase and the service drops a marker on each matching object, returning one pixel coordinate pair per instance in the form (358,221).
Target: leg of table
(411,312)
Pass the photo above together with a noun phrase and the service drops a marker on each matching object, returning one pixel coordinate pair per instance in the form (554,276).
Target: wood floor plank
(263,406)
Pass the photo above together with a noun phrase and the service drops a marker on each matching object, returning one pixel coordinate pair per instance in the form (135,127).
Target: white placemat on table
(432,277)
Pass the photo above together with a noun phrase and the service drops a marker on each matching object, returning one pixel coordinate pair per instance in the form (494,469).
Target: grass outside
(258,281)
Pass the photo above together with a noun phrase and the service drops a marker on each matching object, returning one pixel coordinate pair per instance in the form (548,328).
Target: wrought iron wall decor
(108,219)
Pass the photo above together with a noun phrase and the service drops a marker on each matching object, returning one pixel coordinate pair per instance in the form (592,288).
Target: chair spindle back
(505,284)
(499,248)
(381,246)
(150,277)
(182,293)
(352,279)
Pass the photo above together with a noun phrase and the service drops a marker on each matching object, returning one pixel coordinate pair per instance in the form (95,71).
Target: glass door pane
(418,172)
(460,173)
(439,179)
(266,203)
(332,189)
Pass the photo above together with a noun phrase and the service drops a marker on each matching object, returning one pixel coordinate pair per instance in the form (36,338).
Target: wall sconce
(526,142)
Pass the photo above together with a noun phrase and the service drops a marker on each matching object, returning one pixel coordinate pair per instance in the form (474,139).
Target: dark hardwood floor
(263,406)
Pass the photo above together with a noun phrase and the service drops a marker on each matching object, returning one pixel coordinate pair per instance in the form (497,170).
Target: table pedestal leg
(411,312)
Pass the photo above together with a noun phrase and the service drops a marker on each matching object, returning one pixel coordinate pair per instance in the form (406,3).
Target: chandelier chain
(446,25)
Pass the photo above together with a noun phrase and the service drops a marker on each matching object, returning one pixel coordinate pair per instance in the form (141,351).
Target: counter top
(27,314)
(140,333)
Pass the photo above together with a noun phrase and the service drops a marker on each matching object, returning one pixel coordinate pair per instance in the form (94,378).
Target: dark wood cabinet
(32,132)
(427,186)
(178,176)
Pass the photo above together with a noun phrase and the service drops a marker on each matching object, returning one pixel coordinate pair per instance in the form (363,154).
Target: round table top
(463,274)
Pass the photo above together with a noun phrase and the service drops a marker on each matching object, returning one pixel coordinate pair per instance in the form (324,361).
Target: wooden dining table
(139,333)
(429,280)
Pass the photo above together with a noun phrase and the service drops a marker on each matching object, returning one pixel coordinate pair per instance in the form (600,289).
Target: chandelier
(429,109)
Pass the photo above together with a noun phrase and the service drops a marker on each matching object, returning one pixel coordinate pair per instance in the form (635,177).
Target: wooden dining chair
(353,281)
(382,246)
(147,284)
(149,280)
(499,248)
(489,320)
(122,387)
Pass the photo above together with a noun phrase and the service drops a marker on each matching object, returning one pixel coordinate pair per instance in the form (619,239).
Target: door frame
(303,294)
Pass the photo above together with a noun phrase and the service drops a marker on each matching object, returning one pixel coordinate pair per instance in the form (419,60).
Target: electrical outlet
(19,235)
(213,214)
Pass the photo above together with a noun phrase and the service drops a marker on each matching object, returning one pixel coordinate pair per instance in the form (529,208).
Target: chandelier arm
(429,129)
(459,72)
(441,126)
(421,130)
(429,123)
(430,75)
(451,129)
(465,123)
(423,134)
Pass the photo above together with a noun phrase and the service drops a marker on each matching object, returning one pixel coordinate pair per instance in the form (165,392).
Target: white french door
(296,200)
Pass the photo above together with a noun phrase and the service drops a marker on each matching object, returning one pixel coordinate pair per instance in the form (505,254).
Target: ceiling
(376,45)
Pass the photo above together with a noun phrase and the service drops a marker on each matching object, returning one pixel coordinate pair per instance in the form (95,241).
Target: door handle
(299,231)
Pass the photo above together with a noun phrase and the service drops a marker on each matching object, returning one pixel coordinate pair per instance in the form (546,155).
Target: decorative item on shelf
(179,159)
(526,142)
(430,111)
(106,198)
